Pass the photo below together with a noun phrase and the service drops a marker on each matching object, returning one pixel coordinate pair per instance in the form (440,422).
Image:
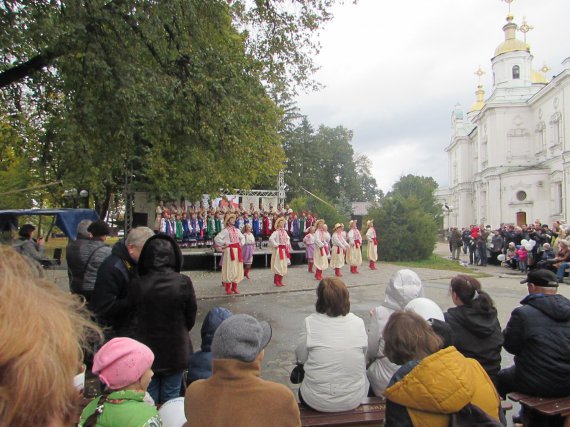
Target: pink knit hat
(121,362)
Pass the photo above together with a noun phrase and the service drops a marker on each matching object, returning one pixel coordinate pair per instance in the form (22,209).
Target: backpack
(472,416)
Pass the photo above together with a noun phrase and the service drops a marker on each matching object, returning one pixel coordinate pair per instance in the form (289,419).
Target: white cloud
(394,71)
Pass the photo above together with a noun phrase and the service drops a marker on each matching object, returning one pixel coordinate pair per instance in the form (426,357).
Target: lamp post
(73,196)
(84,194)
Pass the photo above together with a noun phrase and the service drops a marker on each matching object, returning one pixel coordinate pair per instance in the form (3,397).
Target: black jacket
(109,301)
(538,334)
(164,304)
(477,334)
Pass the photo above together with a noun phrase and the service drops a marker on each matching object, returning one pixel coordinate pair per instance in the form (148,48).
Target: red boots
(310,266)
(277,279)
(246,271)
(354,269)
(319,274)
(228,287)
(372,265)
(337,272)
(234,288)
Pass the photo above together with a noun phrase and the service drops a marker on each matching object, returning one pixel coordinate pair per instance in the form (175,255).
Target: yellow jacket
(442,384)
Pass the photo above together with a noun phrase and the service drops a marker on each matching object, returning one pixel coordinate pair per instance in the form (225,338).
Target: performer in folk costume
(327,237)
(320,255)
(296,227)
(339,248)
(231,240)
(302,224)
(266,228)
(309,241)
(210,226)
(248,249)
(218,222)
(256,226)
(280,251)
(165,222)
(158,217)
(354,254)
(372,249)
(179,228)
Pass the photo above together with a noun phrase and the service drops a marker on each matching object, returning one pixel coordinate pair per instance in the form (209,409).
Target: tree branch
(27,68)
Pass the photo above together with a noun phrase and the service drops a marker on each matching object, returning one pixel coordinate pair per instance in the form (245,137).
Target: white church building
(509,156)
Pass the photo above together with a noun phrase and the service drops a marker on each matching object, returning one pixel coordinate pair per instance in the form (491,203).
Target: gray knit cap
(240,337)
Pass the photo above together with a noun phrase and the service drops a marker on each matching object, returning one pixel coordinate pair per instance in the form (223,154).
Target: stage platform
(204,258)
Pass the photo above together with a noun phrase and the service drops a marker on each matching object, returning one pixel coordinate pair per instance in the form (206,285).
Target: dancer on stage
(339,248)
(354,254)
(309,241)
(248,249)
(320,256)
(372,249)
(280,251)
(231,240)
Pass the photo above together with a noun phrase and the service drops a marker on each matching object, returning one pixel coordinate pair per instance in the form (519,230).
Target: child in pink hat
(124,366)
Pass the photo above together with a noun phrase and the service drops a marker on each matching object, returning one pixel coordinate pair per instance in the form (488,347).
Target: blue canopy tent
(66,219)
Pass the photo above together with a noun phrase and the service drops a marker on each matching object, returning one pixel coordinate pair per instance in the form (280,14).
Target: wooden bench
(370,412)
(543,411)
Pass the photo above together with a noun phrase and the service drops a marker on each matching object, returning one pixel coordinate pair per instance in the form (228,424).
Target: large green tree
(407,220)
(183,94)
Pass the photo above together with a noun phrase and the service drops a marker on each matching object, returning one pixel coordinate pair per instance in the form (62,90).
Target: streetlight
(84,194)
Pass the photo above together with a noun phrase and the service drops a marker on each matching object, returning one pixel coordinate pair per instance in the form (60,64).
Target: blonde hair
(42,333)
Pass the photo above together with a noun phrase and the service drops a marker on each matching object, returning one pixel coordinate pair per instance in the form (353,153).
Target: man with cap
(280,251)
(236,394)
(230,239)
(538,334)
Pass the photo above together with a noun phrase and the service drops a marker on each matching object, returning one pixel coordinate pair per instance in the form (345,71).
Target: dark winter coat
(538,334)
(201,363)
(84,257)
(109,301)
(477,334)
(164,304)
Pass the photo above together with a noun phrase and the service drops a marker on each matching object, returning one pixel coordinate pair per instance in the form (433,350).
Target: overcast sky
(394,70)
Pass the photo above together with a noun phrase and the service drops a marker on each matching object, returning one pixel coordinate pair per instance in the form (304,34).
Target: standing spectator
(200,367)
(475,327)
(164,305)
(94,252)
(538,334)
(431,383)
(404,286)
(522,258)
(124,366)
(466,238)
(332,348)
(75,262)
(235,394)
(109,301)
(497,243)
(455,242)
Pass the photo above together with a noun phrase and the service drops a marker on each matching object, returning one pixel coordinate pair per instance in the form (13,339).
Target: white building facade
(509,156)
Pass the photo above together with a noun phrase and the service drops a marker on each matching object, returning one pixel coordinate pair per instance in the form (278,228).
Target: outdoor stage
(206,258)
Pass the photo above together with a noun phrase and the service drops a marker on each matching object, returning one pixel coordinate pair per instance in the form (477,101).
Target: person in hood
(164,312)
(109,301)
(404,286)
(431,383)
(476,331)
(201,362)
(538,334)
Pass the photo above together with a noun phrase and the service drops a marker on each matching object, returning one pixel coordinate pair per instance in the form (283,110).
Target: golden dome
(538,77)
(511,43)
(479,103)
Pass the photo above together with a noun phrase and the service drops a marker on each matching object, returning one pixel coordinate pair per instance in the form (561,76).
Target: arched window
(516,72)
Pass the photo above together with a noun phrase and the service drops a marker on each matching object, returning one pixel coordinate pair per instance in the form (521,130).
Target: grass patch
(435,262)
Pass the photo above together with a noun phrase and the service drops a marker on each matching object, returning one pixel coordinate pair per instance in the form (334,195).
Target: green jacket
(123,409)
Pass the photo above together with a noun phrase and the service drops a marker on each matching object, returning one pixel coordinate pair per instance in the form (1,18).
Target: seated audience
(431,383)
(404,286)
(432,313)
(201,362)
(235,394)
(124,366)
(538,334)
(164,311)
(332,348)
(475,327)
(42,333)
(30,247)
(561,260)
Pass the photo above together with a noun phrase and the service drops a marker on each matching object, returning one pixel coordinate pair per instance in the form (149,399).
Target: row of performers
(200,227)
(201,208)
(323,249)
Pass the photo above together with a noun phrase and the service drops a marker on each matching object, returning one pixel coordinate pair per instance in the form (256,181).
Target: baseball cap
(541,277)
